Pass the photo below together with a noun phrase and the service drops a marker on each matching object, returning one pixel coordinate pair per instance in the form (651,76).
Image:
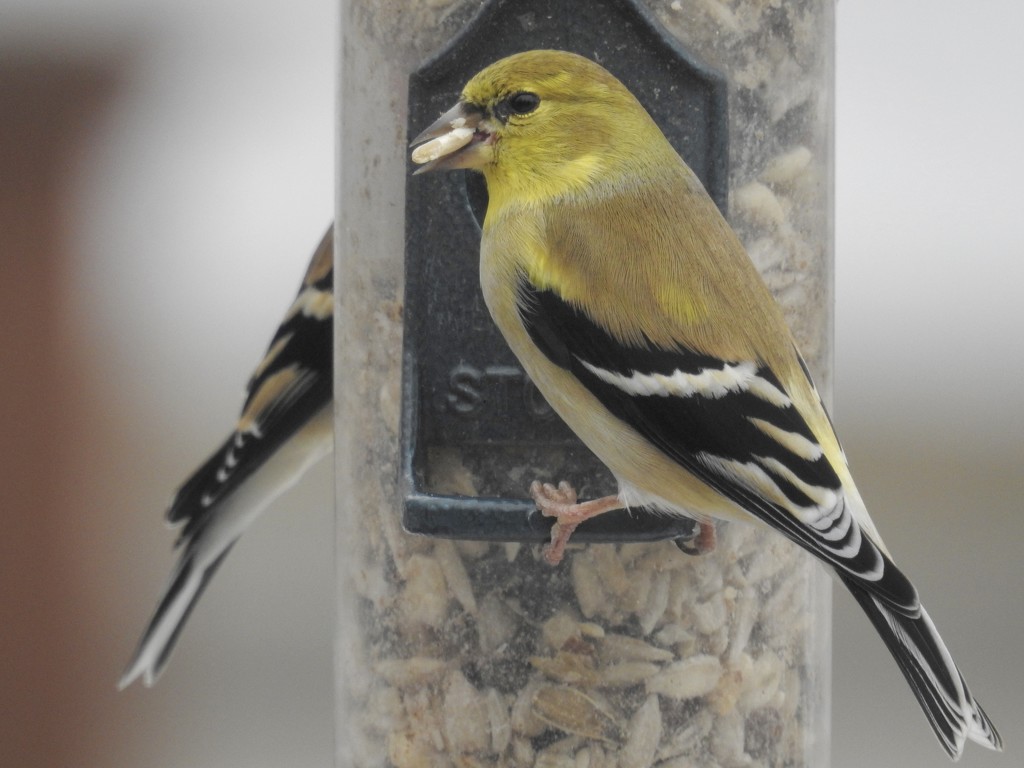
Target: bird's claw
(559,502)
(702,543)
(554,501)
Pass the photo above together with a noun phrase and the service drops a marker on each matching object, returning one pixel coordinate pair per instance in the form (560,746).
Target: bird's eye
(522,103)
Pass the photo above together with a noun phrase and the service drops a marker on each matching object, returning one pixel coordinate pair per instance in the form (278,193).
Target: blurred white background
(185,172)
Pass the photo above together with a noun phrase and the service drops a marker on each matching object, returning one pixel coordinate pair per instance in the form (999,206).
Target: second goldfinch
(635,310)
(285,427)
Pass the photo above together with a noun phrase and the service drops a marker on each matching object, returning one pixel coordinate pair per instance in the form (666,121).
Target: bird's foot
(553,501)
(560,503)
(704,542)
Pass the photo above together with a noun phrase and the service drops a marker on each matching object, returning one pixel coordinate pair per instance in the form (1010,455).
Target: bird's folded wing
(292,383)
(729,423)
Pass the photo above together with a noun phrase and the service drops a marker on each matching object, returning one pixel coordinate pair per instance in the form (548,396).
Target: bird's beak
(457,139)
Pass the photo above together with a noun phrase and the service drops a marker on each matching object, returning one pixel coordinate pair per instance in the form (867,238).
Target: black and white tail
(928,666)
(208,537)
(185,588)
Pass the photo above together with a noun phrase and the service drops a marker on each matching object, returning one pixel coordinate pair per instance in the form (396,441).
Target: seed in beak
(455,139)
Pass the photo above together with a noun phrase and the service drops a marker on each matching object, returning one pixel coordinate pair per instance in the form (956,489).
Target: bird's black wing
(292,384)
(729,423)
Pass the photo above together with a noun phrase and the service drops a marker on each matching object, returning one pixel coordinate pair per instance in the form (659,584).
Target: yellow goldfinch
(285,427)
(635,310)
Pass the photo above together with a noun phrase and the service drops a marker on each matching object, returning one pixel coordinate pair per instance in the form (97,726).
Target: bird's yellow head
(542,124)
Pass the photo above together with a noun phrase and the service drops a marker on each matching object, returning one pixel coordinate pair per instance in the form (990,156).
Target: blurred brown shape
(47,106)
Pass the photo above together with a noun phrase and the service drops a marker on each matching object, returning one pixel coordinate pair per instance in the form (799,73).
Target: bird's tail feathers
(185,587)
(933,676)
